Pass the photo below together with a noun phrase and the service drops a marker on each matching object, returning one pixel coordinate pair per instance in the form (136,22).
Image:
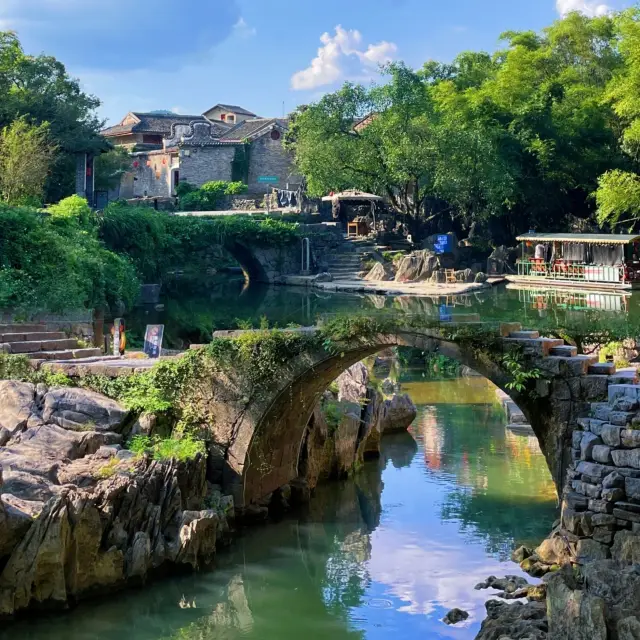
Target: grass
(173,448)
(108,470)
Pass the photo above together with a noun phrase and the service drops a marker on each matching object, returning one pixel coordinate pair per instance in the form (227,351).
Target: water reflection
(386,552)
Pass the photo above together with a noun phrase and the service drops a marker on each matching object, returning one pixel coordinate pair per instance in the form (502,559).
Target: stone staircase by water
(38,344)
(346,262)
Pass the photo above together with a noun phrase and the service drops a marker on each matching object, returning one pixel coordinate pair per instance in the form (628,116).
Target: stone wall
(152,176)
(602,495)
(206,164)
(268,158)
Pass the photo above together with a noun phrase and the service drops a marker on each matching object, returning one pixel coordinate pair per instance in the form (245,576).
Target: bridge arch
(264,454)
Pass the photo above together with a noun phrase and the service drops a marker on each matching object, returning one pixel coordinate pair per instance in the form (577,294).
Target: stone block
(613,495)
(627,516)
(594,387)
(588,442)
(589,550)
(621,418)
(578,523)
(600,506)
(626,458)
(613,480)
(566,389)
(626,548)
(585,489)
(602,453)
(630,438)
(576,439)
(601,411)
(632,488)
(629,506)
(603,535)
(610,435)
(630,391)
(594,469)
(584,423)
(590,479)
(596,426)
(575,501)
(603,520)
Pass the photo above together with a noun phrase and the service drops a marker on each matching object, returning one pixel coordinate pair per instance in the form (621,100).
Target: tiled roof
(253,128)
(150,123)
(235,109)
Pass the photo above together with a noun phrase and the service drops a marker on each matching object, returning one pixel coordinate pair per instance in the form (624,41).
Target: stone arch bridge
(263,437)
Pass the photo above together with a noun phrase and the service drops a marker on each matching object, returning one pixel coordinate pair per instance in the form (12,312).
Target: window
(223,117)
(275,135)
(231,117)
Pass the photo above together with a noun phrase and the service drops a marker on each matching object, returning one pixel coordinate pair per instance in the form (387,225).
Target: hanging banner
(153,340)
(119,335)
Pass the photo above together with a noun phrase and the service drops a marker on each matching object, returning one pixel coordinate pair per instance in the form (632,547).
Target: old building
(167,149)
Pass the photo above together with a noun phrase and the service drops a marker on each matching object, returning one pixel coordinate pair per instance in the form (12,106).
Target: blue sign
(446,313)
(268,179)
(443,244)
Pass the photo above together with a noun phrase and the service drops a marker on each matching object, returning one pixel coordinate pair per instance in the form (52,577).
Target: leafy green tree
(109,167)
(26,156)
(39,89)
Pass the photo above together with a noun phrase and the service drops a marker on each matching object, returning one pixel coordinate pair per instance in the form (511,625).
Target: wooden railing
(564,270)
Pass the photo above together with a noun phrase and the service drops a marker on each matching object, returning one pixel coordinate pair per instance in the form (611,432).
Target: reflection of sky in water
(449,513)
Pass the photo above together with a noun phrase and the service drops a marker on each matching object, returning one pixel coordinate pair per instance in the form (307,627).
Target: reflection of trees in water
(505,492)
(497,521)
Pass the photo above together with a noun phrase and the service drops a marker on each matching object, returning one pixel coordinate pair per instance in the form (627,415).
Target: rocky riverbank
(80,514)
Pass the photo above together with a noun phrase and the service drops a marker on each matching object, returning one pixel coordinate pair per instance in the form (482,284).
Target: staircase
(346,262)
(38,344)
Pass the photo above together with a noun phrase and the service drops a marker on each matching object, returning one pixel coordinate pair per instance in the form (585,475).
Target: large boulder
(380,271)
(516,621)
(80,409)
(353,383)
(397,414)
(417,266)
(17,406)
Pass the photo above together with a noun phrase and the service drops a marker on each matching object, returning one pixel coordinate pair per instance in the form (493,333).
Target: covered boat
(587,260)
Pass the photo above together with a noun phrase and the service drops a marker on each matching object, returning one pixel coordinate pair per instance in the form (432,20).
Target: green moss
(174,448)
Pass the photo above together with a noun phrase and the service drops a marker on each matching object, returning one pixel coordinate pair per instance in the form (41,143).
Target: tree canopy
(524,137)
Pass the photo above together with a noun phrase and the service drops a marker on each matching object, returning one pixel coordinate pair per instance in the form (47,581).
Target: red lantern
(136,164)
(164,161)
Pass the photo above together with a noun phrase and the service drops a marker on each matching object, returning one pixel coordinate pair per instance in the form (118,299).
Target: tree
(618,194)
(39,89)
(26,156)
(109,168)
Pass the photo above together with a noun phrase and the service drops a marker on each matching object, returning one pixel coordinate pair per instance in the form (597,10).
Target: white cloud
(338,55)
(243,29)
(590,8)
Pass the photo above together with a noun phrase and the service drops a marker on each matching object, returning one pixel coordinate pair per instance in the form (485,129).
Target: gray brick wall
(152,181)
(80,168)
(206,164)
(268,158)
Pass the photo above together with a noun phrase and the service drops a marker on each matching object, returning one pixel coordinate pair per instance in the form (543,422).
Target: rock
(352,383)
(624,404)
(630,438)
(586,489)
(613,495)
(588,442)
(515,621)
(600,506)
(79,409)
(589,550)
(629,628)
(397,414)
(17,406)
(602,453)
(614,480)
(481,278)
(324,277)
(555,550)
(419,265)
(626,548)
(380,272)
(455,616)
(610,435)
(627,458)
(521,553)
(464,275)
(632,487)
(388,386)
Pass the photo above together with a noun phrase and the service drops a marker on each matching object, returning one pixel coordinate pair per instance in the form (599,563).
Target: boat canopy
(584,238)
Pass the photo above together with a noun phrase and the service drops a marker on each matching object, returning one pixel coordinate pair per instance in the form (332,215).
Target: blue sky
(188,55)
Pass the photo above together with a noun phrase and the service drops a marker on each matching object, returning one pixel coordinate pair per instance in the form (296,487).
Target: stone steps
(68,354)
(28,346)
(564,350)
(22,328)
(603,368)
(31,336)
(525,335)
(535,346)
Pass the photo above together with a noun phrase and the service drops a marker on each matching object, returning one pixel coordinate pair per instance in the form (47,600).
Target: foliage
(174,448)
(208,196)
(109,168)
(47,267)
(108,470)
(471,145)
(513,364)
(38,89)
(158,243)
(73,210)
(26,156)
(334,412)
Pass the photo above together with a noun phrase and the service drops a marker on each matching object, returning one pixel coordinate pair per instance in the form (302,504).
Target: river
(387,552)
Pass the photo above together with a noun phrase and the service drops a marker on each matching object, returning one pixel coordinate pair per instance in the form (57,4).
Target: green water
(191,312)
(387,552)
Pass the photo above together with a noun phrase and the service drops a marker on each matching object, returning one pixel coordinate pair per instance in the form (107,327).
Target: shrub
(175,448)
(209,195)
(73,210)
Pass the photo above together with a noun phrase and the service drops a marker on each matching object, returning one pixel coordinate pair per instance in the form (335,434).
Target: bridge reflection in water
(387,552)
